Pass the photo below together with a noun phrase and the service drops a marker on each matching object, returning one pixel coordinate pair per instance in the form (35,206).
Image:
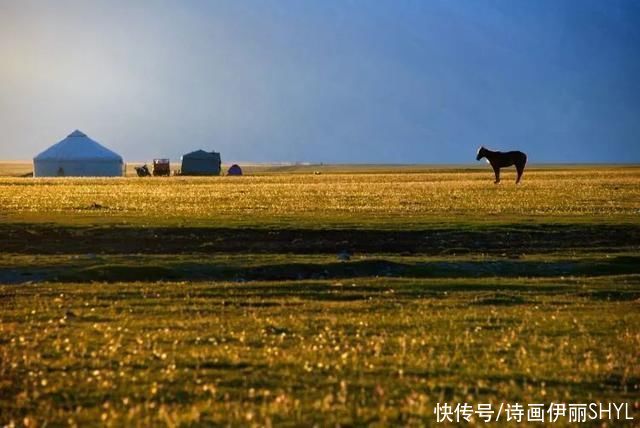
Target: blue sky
(389,81)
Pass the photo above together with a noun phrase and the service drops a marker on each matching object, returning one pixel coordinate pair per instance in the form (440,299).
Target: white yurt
(78,156)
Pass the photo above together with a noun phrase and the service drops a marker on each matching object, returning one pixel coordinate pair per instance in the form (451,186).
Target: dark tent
(234,170)
(201,163)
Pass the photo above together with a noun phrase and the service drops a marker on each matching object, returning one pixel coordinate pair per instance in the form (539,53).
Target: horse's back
(517,156)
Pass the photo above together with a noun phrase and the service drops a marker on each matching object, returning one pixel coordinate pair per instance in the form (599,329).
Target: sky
(334,81)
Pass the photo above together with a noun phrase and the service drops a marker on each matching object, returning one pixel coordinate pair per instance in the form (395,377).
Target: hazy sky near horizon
(389,81)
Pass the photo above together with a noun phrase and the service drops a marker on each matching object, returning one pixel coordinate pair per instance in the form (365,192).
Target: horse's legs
(496,171)
(520,169)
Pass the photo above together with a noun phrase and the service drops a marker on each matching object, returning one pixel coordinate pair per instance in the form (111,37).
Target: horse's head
(481,153)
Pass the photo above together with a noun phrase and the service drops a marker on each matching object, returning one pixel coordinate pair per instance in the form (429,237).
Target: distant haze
(390,81)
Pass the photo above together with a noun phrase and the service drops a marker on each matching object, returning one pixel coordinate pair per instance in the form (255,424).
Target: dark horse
(503,159)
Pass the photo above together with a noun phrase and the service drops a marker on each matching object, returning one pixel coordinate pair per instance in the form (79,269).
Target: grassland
(195,301)
(387,200)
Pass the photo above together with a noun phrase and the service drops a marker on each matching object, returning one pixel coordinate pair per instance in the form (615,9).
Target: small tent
(234,170)
(77,156)
(201,163)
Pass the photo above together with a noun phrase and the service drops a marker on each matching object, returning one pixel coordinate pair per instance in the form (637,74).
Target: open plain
(345,295)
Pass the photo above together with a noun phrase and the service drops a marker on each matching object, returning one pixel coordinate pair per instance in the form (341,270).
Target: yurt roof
(201,154)
(77,146)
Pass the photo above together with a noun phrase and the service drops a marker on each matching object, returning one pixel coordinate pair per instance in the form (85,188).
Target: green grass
(349,352)
(287,267)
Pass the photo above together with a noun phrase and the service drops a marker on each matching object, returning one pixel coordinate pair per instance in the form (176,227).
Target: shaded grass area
(356,351)
(16,269)
(507,239)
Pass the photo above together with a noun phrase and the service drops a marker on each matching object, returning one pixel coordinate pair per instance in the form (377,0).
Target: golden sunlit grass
(606,194)
(357,351)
